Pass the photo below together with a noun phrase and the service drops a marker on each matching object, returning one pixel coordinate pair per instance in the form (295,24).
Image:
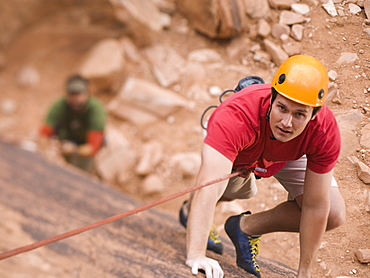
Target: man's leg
(286,216)
(237,188)
(245,229)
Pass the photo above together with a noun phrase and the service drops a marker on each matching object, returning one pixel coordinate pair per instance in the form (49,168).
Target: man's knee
(337,217)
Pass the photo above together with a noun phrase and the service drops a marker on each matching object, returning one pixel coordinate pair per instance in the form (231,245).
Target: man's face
(77,101)
(288,119)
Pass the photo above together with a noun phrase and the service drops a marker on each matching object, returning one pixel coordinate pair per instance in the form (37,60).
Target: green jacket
(74,126)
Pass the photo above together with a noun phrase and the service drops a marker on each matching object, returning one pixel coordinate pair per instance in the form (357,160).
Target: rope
(80,230)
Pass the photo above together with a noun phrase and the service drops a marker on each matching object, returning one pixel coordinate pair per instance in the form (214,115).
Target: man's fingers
(210,267)
(194,269)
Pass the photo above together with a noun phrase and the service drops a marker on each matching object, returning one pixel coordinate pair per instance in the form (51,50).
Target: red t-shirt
(239,129)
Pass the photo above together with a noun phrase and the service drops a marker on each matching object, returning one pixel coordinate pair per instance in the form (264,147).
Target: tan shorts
(291,177)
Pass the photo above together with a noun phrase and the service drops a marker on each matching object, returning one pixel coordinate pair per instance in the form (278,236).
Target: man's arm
(214,165)
(314,218)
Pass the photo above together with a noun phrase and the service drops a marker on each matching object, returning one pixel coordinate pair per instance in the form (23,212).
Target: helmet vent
(321,94)
(281,78)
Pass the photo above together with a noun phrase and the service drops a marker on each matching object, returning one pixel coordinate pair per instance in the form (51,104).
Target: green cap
(77,85)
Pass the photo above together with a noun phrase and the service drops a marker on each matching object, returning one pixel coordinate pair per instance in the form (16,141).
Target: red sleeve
(46,130)
(324,149)
(95,139)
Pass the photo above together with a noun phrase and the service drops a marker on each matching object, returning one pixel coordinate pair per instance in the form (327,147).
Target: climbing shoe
(246,246)
(214,242)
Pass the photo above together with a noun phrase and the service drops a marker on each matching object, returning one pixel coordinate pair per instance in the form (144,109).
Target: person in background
(284,130)
(77,121)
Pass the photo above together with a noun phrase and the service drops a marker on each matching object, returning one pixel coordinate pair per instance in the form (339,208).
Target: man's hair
(274,94)
(77,84)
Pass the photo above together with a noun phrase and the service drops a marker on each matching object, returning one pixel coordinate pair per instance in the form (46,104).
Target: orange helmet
(303,79)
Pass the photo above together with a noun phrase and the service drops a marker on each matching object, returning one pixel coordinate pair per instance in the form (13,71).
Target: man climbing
(77,120)
(285,128)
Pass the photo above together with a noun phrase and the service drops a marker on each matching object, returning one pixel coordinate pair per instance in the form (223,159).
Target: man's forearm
(312,228)
(199,223)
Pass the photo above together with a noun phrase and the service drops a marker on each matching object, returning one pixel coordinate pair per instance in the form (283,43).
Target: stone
(194,73)
(143,19)
(152,184)
(149,97)
(333,75)
(167,65)
(130,50)
(264,28)
(27,76)
(292,48)
(281,4)
(363,255)
(151,155)
(8,106)
(261,57)
(332,92)
(302,9)
(215,18)
(257,8)
(367,31)
(347,58)
(278,55)
(363,172)
(297,32)
(238,47)
(187,164)
(290,18)
(166,6)
(367,8)
(354,9)
(109,164)
(103,60)
(198,93)
(353,159)
(329,7)
(365,138)
(215,91)
(349,120)
(277,30)
(204,55)
(134,115)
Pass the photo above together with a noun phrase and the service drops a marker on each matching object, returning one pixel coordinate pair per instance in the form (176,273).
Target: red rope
(77,231)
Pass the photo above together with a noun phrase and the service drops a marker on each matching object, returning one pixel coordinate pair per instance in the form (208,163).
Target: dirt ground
(55,45)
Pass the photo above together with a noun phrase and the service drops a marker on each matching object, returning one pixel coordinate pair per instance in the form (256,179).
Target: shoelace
(213,235)
(254,242)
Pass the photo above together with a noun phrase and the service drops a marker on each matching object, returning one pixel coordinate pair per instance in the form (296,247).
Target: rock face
(39,200)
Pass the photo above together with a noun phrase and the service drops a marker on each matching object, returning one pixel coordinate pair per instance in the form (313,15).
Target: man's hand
(211,267)
(67,147)
(85,150)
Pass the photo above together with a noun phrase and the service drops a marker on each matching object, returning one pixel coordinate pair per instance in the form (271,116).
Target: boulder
(148,97)
(143,19)
(257,8)
(167,65)
(215,18)
(103,63)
